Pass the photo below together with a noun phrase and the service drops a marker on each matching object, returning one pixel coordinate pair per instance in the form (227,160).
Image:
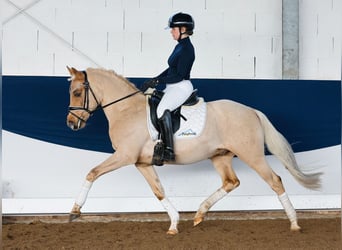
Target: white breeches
(174,96)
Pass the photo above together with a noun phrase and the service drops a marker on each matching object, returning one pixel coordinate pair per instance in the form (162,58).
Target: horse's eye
(77,93)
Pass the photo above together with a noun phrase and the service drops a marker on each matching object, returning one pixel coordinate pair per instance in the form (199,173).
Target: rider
(177,80)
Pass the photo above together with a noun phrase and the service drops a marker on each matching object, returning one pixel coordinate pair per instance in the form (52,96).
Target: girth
(176,115)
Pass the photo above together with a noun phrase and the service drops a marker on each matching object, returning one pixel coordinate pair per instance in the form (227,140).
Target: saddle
(176,115)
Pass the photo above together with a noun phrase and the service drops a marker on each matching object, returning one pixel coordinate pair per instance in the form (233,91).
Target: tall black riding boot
(165,124)
(163,151)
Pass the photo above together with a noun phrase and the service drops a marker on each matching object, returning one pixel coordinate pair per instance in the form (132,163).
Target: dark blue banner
(307,113)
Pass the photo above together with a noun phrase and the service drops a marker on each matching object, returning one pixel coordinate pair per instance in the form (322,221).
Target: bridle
(85,106)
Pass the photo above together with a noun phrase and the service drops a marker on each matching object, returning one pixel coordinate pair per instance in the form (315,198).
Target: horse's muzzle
(74,126)
(75,123)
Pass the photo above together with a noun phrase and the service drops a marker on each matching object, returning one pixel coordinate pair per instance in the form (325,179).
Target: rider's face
(175,33)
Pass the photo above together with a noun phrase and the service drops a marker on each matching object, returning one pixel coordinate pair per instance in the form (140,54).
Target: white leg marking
(289,210)
(211,200)
(84,193)
(173,214)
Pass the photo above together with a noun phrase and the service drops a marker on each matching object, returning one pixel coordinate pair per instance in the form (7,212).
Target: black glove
(152,83)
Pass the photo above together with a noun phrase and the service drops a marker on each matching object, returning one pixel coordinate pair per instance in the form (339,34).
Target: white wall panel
(114,62)
(269,23)
(23,42)
(129,4)
(83,18)
(189,5)
(209,21)
(237,67)
(218,4)
(47,43)
(328,66)
(255,5)
(70,58)
(239,23)
(151,41)
(22,3)
(116,42)
(206,65)
(45,12)
(265,64)
(156,4)
(255,45)
(93,43)
(231,44)
(143,20)
(320,39)
(7,11)
(132,43)
(210,43)
(136,65)
(225,31)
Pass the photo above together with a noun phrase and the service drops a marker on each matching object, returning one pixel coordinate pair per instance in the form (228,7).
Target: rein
(86,100)
(121,99)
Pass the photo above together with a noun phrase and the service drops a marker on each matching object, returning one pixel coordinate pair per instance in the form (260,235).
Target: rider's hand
(152,83)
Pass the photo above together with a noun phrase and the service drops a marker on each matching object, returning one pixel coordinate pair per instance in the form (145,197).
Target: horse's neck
(113,90)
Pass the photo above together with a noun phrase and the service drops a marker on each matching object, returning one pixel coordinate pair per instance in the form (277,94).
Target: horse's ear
(68,69)
(72,72)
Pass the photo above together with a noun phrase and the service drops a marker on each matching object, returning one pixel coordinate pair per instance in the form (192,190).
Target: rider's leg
(165,124)
(174,96)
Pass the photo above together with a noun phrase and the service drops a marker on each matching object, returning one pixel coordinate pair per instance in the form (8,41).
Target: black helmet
(182,20)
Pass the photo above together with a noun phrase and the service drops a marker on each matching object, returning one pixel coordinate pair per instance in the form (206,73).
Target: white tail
(279,146)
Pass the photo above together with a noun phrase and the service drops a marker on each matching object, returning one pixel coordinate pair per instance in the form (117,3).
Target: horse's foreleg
(80,200)
(114,162)
(153,180)
(229,179)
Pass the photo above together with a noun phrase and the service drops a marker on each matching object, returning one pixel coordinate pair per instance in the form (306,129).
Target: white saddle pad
(193,126)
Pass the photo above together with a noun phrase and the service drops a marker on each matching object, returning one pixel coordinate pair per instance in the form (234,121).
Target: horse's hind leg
(223,165)
(153,180)
(265,171)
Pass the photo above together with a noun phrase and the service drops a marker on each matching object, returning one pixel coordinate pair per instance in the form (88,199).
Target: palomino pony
(231,129)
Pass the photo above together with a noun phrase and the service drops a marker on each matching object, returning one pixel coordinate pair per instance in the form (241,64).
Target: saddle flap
(153,102)
(190,126)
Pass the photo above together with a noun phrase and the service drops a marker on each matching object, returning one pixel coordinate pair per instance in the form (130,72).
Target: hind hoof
(295,228)
(73,216)
(198,221)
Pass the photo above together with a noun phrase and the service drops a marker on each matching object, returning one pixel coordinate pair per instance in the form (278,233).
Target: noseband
(85,106)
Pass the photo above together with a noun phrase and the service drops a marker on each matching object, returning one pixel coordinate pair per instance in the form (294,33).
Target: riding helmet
(182,20)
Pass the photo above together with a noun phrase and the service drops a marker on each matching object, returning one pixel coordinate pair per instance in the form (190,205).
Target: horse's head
(82,103)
